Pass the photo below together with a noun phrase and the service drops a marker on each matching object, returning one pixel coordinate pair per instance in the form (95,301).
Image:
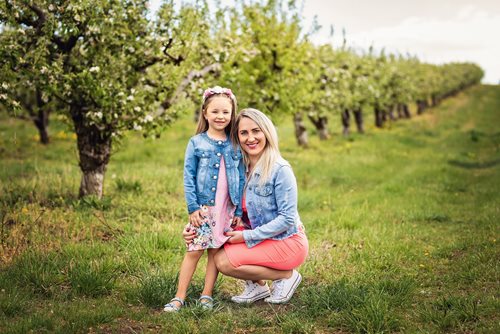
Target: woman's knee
(222,262)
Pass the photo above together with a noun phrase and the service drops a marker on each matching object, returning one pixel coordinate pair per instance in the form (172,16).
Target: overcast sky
(436,31)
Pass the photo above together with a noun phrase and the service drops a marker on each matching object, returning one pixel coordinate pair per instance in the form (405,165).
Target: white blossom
(94,29)
(43,70)
(137,127)
(131,49)
(130,98)
(5,85)
(120,94)
(94,69)
(148,118)
(51,7)
(98,114)
(3,97)
(137,109)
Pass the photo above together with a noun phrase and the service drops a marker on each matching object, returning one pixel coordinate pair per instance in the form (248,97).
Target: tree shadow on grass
(474,165)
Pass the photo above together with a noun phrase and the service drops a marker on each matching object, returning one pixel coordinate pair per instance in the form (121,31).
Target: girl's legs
(211,274)
(188,267)
(248,272)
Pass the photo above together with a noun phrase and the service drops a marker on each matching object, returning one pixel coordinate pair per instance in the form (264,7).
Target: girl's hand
(235,237)
(196,218)
(188,234)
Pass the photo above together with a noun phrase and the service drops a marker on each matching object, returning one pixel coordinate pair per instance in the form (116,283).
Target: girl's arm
(285,192)
(190,171)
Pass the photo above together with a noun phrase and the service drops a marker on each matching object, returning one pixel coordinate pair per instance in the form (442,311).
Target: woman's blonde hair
(208,96)
(271,152)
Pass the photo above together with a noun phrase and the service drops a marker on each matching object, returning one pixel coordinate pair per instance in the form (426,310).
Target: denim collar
(216,142)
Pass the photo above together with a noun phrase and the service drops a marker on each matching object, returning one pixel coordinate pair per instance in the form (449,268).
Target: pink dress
(218,218)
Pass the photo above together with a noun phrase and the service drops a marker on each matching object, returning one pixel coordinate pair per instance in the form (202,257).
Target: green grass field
(403,225)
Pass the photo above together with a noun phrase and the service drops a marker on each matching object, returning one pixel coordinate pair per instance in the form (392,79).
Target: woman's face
(252,139)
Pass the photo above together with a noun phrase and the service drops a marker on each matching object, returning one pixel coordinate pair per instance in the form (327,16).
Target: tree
(266,62)
(105,63)
(30,100)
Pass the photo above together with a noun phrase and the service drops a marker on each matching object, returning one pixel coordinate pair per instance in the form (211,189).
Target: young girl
(213,183)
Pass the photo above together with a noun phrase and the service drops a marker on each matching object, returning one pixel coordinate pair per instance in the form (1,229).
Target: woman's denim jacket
(201,170)
(272,207)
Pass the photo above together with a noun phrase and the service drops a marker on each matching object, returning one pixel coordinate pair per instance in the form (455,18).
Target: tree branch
(212,68)
(177,61)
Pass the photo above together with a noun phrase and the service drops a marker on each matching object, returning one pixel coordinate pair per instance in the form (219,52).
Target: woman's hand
(196,218)
(235,237)
(188,234)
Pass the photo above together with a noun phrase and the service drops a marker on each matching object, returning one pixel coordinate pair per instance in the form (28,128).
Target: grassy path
(403,226)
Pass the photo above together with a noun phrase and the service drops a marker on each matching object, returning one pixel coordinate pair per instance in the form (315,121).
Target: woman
(274,243)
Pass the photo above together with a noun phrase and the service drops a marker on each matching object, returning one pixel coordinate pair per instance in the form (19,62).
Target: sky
(436,31)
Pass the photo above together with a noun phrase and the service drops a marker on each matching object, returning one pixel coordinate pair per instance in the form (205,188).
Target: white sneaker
(283,289)
(252,293)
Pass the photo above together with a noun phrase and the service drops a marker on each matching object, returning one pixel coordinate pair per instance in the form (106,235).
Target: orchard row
(108,68)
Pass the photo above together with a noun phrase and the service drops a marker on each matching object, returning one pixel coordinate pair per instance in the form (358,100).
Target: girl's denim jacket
(272,207)
(201,170)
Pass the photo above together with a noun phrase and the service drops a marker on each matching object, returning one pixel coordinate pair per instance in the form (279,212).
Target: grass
(402,223)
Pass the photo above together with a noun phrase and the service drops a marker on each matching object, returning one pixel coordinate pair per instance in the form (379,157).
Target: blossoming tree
(107,65)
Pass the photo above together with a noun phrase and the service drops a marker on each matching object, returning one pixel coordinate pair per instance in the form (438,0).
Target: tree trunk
(358,117)
(435,101)
(94,149)
(320,124)
(406,111)
(40,117)
(391,113)
(345,122)
(400,110)
(378,117)
(41,123)
(421,106)
(300,130)
(383,114)
(196,115)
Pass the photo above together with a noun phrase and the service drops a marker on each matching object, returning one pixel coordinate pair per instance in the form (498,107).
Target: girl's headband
(218,90)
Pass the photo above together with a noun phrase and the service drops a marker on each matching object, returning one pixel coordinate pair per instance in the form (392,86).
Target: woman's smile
(251,137)
(252,146)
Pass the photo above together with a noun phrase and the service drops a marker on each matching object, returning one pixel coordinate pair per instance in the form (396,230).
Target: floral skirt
(211,234)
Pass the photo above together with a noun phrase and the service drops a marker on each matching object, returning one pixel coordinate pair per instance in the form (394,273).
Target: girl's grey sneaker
(283,289)
(252,293)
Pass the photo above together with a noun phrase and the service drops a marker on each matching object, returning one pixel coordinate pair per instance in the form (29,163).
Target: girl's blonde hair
(271,152)
(208,96)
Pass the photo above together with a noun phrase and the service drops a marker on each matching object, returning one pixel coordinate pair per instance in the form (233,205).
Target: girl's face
(251,137)
(218,113)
